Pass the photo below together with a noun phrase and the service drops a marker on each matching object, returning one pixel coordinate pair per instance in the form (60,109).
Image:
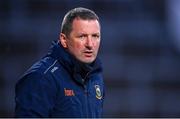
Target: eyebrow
(97,33)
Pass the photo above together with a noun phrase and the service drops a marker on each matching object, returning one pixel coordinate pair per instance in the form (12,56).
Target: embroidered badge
(68,92)
(98,92)
(54,69)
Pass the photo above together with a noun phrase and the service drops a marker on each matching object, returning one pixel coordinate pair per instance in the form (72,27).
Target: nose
(89,42)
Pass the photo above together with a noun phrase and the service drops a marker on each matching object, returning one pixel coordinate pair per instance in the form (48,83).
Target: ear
(63,40)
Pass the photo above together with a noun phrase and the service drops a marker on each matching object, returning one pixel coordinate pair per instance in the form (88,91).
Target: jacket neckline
(80,71)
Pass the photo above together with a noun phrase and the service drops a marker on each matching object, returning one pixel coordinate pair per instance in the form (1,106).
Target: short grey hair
(80,12)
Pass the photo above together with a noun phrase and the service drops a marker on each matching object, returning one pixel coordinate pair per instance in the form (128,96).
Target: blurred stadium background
(140,50)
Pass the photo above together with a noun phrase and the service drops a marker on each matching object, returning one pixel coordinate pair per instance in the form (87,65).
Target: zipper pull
(85,89)
(83,80)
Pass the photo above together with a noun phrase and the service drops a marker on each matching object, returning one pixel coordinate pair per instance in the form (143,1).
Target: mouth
(88,53)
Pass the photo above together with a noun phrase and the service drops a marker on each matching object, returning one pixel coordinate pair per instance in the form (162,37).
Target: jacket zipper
(86,100)
(86,95)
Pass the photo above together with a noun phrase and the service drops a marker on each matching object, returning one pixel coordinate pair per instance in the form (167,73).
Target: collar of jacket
(80,71)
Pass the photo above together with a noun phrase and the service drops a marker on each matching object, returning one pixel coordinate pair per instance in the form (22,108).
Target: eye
(96,36)
(82,37)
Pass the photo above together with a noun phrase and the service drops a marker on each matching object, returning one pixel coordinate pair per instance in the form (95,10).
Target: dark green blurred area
(139,50)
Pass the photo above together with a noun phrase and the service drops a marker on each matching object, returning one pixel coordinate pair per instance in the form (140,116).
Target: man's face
(84,40)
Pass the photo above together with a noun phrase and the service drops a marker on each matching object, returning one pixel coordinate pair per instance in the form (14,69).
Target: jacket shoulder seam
(50,66)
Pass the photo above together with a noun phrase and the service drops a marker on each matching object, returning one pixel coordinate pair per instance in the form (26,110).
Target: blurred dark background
(140,51)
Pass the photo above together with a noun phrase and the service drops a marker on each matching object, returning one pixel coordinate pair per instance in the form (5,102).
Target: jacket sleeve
(35,96)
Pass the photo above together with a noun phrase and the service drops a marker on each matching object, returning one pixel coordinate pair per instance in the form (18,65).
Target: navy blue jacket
(60,86)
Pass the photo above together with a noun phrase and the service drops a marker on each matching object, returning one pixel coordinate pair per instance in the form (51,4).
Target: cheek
(78,46)
(96,44)
(74,45)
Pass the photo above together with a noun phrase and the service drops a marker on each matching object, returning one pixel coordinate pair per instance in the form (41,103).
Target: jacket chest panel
(76,99)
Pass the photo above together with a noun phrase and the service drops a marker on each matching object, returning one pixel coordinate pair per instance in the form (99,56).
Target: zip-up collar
(78,69)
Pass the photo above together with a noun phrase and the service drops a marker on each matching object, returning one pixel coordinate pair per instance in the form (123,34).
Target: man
(68,81)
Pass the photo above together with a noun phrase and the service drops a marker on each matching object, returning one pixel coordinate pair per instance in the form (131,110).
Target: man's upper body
(68,81)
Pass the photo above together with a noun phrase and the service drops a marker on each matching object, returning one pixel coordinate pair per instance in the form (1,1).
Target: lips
(88,53)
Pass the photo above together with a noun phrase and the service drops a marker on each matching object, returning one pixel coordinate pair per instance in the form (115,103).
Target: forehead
(85,25)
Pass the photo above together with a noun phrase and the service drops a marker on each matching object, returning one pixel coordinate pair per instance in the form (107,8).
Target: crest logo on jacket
(98,92)
(69,92)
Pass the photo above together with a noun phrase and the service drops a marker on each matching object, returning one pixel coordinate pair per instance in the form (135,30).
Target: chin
(87,61)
